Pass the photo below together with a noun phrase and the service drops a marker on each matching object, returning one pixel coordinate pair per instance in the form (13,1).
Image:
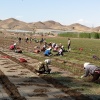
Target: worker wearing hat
(91,69)
(43,67)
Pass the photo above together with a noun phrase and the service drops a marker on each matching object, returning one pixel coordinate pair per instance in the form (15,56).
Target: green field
(90,47)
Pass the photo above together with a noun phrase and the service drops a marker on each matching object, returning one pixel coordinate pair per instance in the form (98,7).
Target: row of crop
(80,35)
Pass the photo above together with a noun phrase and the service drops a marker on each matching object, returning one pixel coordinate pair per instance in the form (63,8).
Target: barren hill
(54,25)
(12,23)
(96,29)
(78,27)
(47,25)
(39,25)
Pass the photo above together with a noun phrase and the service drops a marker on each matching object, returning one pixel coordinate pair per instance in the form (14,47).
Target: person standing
(91,69)
(69,44)
(19,39)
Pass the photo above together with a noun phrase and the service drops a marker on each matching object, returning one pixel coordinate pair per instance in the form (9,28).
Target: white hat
(40,62)
(48,61)
(49,48)
(85,64)
(14,43)
(62,46)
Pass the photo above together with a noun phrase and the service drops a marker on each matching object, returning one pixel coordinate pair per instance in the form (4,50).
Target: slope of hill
(39,25)
(12,23)
(54,25)
(78,27)
(96,29)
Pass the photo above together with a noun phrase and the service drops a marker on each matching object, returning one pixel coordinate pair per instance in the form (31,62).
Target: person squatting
(43,67)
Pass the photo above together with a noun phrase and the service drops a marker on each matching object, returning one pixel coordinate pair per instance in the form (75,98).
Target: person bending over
(93,70)
(43,67)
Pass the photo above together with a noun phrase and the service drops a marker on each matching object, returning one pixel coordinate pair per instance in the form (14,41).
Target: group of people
(90,69)
(54,49)
(48,52)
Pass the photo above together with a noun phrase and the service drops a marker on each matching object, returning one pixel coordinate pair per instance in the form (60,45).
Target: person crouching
(43,67)
(48,52)
(93,70)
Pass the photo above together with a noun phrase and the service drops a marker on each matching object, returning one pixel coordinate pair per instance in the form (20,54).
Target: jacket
(42,66)
(47,52)
(89,69)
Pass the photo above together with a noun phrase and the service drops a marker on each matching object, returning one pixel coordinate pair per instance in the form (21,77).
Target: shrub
(94,35)
(68,34)
(84,35)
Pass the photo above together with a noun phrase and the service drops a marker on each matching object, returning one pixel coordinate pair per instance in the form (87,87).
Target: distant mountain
(78,27)
(47,25)
(97,29)
(51,23)
(39,25)
(54,25)
(12,23)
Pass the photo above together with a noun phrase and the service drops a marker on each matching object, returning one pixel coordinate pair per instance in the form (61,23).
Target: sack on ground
(22,60)
(11,47)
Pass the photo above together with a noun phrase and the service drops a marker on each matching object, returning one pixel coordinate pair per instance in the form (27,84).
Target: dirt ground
(5,42)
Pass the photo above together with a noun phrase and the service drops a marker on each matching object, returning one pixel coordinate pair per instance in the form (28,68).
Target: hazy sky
(86,12)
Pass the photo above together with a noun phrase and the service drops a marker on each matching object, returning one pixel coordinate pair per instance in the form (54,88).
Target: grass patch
(90,47)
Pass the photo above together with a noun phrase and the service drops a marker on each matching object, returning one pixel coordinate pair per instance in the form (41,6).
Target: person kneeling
(60,52)
(48,52)
(43,67)
(18,51)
